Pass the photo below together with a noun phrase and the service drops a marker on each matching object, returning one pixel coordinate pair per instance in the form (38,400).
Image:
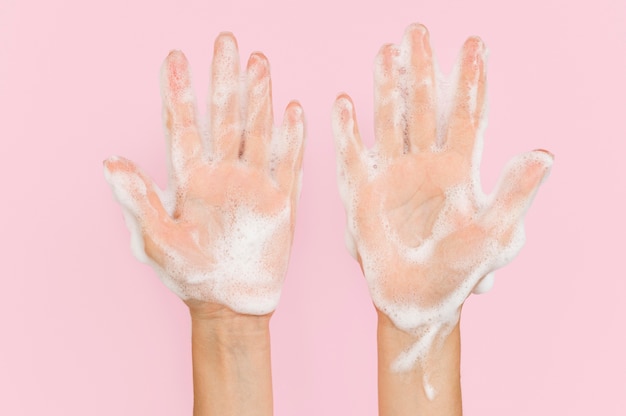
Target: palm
(217,196)
(416,195)
(223,232)
(216,191)
(404,204)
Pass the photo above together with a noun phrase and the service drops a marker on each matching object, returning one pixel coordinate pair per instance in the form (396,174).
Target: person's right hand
(417,219)
(221,235)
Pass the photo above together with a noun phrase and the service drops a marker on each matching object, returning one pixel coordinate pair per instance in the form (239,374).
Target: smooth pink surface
(87,330)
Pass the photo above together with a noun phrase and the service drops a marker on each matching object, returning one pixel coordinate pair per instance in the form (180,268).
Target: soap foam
(238,274)
(244,267)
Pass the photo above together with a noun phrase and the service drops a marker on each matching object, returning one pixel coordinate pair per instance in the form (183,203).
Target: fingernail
(545,151)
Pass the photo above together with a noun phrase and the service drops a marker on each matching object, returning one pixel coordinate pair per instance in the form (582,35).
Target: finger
(515,191)
(145,214)
(348,146)
(421,112)
(179,114)
(468,108)
(389,103)
(224,107)
(260,120)
(288,149)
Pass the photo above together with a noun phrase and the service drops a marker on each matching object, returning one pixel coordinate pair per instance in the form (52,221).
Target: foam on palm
(422,257)
(222,230)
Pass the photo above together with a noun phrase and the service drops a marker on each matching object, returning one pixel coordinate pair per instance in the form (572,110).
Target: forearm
(404,393)
(231,364)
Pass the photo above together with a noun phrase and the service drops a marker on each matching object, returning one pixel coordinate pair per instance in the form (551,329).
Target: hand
(417,219)
(221,234)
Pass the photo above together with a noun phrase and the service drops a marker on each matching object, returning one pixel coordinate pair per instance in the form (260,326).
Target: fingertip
(293,121)
(175,77)
(540,157)
(343,108)
(529,170)
(344,100)
(474,43)
(385,60)
(258,67)
(546,159)
(225,51)
(388,50)
(176,63)
(416,34)
(176,55)
(106,164)
(416,28)
(474,49)
(226,40)
(117,163)
(258,59)
(294,112)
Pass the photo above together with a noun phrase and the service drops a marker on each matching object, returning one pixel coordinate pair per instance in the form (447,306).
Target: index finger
(469,101)
(179,115)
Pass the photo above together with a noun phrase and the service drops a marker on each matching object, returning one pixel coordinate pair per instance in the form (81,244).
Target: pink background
(87,330)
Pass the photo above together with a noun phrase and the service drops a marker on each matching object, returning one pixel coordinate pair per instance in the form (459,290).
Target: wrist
(429,383)
(218,323)
(231,362)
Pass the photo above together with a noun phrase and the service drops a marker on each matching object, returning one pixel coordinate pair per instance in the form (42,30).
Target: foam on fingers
(179,116)
(225,110)
(468,107)
(390,108)
(260,121)
(348,145)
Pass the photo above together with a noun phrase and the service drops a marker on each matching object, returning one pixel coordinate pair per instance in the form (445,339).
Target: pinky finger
(288,149)
(348,145)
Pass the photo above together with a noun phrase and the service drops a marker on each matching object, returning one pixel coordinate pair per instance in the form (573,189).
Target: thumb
(139,197)
(517,188)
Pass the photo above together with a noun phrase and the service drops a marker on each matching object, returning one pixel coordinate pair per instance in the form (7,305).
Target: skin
(396,197)
(211,179)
